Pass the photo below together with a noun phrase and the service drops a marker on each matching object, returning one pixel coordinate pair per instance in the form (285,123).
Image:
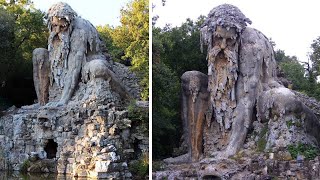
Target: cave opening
(211,177)
(51,149)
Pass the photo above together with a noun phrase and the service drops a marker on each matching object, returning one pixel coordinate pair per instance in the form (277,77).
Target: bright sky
(98,12)
(292,24)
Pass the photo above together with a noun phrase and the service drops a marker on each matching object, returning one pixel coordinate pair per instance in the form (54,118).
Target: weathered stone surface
(41,71)
(75,52)
(84,129)
(249,167)
(250,117)
(194,105)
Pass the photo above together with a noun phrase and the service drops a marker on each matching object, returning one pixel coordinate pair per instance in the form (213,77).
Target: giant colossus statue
(242,91)
(75,52)
(81,125)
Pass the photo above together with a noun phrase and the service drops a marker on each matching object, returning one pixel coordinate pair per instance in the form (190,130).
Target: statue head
(60,15)
(223,27)
(60,19)
(221,32)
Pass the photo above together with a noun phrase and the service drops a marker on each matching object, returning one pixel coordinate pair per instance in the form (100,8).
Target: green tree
(174,51)
(294,71)
(6,45)
(181,47)
(301,74)
(29,32)
(315,56)
(314,68)
(166,122)
(7,60)
(106,35)
(133,37)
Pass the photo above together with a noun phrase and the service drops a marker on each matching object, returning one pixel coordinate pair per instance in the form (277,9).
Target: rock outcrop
(91,138)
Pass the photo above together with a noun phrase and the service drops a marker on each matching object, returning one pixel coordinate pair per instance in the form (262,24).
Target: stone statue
(241,73)
(240,66)
(41,71)
(73,43)
(194,105)
(81,125)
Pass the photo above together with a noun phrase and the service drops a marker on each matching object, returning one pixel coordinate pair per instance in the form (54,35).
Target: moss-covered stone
(261,143)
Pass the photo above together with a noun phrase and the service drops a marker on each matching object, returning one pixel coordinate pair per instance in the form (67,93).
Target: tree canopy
(23,29)
(174,51)
(133,38)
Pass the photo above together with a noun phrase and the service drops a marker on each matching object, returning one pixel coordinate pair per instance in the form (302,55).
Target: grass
(262,142)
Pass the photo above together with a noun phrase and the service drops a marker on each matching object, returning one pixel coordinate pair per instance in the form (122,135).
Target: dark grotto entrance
(51,149)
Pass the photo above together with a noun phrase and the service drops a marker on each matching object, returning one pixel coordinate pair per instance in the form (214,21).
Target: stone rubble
(256,167)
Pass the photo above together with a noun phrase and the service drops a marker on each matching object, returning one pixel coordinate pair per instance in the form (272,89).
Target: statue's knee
(277,102)
(95,69)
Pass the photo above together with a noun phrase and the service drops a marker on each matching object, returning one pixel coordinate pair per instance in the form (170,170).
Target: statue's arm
(118,85)
(255,58)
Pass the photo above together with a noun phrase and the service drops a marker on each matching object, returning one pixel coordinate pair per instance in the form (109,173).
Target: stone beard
(59,46)
(222,77)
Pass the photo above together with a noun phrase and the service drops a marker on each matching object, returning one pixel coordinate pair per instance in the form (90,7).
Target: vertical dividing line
(150,89)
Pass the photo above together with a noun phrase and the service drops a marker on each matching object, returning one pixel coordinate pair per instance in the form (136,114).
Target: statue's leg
(194,106)
(41,70)
(44,81)
(201,107)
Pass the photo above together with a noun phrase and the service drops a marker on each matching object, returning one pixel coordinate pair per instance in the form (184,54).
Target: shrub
(24,166)
(140,168)
(307,150)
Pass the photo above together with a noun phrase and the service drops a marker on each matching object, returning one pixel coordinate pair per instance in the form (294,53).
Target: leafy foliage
(294,71)
(174,51)
(25,165)
(6,45)
(30,29)
(165,110)
(106,33)
(133,37)
(315,55)
(24,31)
(137,113)
(140,168)
(307,150)
(180,47)
(262,142)
(301,74)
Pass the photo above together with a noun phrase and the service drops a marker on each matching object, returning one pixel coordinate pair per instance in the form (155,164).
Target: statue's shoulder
(82,24)
(254,36)
(84,31)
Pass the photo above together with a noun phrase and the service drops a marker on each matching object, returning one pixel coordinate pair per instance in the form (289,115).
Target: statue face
(224,38)
(59,25)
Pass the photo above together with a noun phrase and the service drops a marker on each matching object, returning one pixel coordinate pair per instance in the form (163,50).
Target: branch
(20,43)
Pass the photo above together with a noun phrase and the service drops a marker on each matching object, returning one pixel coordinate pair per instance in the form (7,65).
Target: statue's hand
(60,103)
(54,104)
